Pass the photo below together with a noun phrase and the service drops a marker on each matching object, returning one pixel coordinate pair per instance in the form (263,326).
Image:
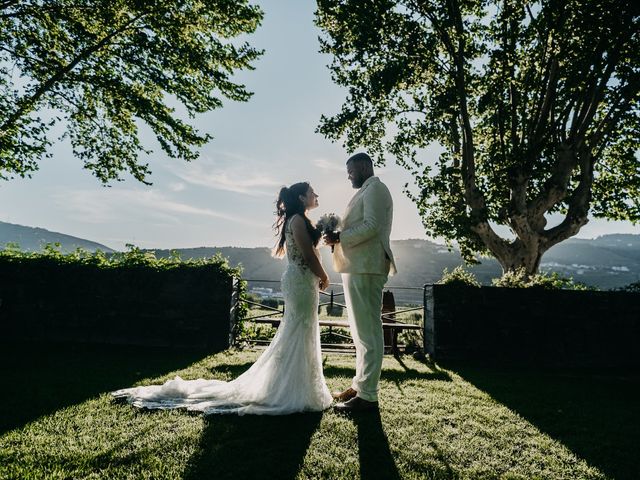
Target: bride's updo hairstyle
(287,205)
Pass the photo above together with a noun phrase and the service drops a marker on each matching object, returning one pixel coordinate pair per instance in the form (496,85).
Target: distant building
(265,292)
(262,292)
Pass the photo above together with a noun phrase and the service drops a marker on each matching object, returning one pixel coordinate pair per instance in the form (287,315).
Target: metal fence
(266,307)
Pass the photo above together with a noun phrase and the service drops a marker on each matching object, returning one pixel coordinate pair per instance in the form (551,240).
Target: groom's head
(359,168)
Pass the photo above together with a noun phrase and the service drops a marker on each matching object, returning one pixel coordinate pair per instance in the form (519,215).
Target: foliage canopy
(534,104)
(108,67)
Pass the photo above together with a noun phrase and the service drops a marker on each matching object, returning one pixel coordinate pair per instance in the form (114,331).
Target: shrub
(51,256)
(270,302)
(253,331)
(252,297)
(413,340)
(458,276)
(553,281)
(92,269)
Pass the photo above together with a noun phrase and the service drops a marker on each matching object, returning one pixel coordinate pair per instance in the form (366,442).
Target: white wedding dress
(286,378)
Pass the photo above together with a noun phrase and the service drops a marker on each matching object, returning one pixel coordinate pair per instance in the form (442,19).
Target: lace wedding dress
(286,378)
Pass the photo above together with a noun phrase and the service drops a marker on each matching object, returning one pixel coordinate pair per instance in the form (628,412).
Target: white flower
(329,222)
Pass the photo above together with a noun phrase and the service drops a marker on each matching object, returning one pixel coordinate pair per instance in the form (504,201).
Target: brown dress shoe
(345,396)
(356,404)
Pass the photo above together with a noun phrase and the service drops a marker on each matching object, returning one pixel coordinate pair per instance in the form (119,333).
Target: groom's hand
(331,238)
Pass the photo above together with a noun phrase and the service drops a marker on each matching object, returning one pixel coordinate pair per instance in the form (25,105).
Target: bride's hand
(324,282)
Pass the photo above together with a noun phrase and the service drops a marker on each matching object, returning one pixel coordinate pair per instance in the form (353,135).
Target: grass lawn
(437,422)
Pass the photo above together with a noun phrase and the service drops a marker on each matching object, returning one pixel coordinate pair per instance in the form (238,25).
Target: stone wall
(533,326)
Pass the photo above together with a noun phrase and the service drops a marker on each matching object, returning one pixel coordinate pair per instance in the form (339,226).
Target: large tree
(534,103)
(106,68)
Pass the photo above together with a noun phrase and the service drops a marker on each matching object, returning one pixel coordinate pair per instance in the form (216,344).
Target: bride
(287,377)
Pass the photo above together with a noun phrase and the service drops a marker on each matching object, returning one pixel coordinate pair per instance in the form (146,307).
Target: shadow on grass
(233,370)
(44,378)
(396,376)
(253,446)
(596,414)
(375,458)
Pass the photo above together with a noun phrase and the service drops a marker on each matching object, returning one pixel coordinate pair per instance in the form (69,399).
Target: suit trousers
(363,297)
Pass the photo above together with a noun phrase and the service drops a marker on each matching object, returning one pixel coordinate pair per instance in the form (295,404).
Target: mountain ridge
(607,261)
(33,239)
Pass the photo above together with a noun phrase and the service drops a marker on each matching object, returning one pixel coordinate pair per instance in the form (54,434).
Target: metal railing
(333,330)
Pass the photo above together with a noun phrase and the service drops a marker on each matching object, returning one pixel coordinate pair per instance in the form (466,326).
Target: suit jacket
(366,226)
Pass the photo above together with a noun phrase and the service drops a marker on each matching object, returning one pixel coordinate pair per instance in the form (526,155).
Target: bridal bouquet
(328,223)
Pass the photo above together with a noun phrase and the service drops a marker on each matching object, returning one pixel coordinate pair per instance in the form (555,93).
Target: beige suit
(366,226)
(364,258)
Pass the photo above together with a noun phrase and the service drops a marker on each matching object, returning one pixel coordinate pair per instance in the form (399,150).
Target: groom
(363,256)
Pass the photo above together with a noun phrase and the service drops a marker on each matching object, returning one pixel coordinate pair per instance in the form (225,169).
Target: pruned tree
(107,67)
(534,103)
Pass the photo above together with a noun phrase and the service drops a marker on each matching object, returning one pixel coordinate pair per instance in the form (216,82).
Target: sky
(227,196)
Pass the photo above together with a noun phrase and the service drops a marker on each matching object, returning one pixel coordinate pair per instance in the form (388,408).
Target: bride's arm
(303,241)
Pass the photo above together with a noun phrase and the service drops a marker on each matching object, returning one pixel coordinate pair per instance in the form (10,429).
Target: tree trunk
(521,256)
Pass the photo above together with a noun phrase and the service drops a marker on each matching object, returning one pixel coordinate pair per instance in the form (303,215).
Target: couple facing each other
(288,377)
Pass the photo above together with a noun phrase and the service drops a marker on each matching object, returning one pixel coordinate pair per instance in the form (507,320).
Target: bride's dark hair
(287,205)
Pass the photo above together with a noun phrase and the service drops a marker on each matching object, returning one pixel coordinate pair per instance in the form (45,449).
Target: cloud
(325,164)
(239,176)
(111,205)
(177,186)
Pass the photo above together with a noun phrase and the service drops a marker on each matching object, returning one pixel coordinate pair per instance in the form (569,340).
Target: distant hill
(32,239)
(605,262)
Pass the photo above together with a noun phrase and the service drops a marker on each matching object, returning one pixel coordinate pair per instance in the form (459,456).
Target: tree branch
(496,244)
(510,48)
(455,141)
(577,214)
(434,21)
(25,57)
(519,219)
(80,106)
(531,123)
(593,85)
(598,94)
(472,194)
(555,189)
(599,139)
(545,106)
(27,104)
(564,119)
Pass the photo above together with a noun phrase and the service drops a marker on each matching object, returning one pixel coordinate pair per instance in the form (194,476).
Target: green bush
(458,276)
(253,331)
(552,281)
(133,258)
(252,297)
(413,340)
(337,335)
(271,302)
